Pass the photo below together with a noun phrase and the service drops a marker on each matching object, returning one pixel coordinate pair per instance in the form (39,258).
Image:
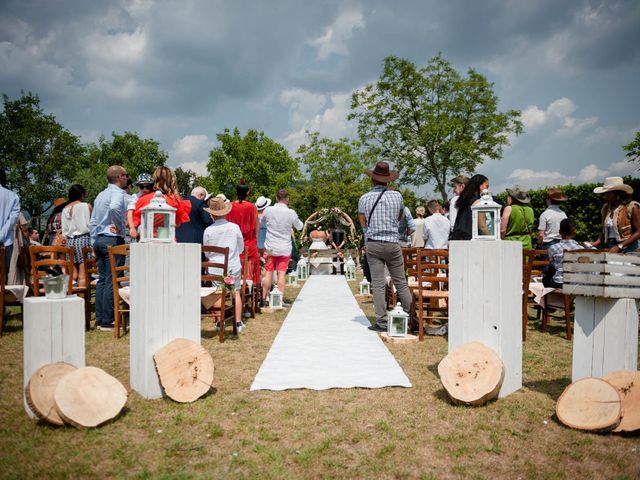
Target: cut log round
(627,382)
(89,397)
(41,387)
(591,404)
(472,374)
(185,369)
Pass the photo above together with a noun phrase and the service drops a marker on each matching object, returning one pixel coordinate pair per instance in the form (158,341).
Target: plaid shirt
(383,224)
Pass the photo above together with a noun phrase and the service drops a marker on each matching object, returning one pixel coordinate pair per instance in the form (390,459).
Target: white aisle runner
(324,343)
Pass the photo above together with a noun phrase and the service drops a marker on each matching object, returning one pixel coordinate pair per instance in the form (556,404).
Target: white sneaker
(240,327)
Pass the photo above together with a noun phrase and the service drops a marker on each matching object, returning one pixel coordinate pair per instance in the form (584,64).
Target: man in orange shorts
(279,220)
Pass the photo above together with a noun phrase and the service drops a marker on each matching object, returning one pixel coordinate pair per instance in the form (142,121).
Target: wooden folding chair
(48,256)
(225,308)
(247,287)
(119,279)
(91,267)
(430,291)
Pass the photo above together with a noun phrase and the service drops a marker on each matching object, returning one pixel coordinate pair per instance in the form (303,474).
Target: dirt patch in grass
(354,433)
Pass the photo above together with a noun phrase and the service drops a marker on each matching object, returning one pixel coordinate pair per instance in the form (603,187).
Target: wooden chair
(3,269)
(119,278)
(48,256)
(247,288)
(430,293)
(225,309)
(91,267)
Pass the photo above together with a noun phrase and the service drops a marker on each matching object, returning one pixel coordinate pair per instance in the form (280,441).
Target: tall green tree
(633,149)
(187,180)
(38,155)
(265,165)
(432,122)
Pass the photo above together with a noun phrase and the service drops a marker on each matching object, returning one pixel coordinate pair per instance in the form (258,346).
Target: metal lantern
(486,218)
(398,322)
(158,221)
(350,269)
(275,299)
(292,278)
(302,269)
(365,287)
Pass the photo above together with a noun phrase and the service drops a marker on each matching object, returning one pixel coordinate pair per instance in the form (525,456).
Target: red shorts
(280,264)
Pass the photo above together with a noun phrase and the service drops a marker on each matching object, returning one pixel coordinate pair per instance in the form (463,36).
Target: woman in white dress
(75,228)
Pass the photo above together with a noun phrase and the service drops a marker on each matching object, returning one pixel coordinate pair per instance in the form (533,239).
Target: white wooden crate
(601,274)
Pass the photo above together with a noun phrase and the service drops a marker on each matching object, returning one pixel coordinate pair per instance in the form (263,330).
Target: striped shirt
(383,224)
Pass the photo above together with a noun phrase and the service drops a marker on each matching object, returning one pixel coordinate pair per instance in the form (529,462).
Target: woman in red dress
(245,215)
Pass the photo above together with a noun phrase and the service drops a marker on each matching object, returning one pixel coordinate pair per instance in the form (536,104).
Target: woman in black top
(469,196)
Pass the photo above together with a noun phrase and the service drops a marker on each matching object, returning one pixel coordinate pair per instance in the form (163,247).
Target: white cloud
(623,168)
(591,173)
(339,33)
(561,108)
(575,126)
(532,116)
(192,152)
(558,111)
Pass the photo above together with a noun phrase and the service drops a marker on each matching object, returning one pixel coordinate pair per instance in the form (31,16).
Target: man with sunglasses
(144,183)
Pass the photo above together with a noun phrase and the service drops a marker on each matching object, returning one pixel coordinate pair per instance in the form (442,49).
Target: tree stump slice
(185,369)
(41,388)
(591,404)
(89,397)
(627,383)
(472,374)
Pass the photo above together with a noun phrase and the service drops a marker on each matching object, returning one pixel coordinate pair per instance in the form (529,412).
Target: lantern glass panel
(398,326)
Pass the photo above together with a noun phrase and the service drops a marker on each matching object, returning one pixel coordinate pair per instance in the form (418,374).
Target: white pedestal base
(165,305)
(485,294)
(605,336)
(53,332)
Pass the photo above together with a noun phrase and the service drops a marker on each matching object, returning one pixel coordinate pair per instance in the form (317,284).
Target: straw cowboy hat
(518,193)
(556,195)
(218,207)
(614,184)
(381,173)
(262,202)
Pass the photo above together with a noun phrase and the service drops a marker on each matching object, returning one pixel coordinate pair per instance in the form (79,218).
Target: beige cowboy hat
(218,207)
(381,173)
(614,184)
(556,195)
(520,194)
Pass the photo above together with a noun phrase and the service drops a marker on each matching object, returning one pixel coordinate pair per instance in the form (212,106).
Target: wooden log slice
(472,374)
(627,382)
(41,388)
(185,369)
(590,404)
(89,397)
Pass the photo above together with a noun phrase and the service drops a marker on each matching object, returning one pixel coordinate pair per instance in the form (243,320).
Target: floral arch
(327,218)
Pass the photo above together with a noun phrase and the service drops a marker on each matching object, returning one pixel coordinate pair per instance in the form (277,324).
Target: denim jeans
(104,287)
(8,250)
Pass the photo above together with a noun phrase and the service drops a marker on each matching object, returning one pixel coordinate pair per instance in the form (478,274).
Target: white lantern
(302,269)
(292,278)
(365,287)
(397,323)
(275,299)
(350,269)
(158,221)
(486,218)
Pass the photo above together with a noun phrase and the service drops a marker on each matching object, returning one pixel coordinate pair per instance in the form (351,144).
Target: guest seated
(553,275)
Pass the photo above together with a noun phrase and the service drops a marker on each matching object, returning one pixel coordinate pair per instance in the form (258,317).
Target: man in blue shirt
(9,211)
(107,228)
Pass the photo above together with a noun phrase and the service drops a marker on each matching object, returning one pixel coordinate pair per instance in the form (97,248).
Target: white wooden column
(165,305)
(605,337)
(485,295)
(53,332)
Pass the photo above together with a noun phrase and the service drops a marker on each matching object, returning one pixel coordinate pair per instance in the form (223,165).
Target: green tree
(37,153)
(265,165)
(137,155)
(432,122)
(633,148)
(187,180)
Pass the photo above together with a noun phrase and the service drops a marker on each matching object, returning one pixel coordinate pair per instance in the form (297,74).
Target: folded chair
(119,279)
(222,309)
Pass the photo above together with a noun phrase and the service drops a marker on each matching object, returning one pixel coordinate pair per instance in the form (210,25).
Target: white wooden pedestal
(605,337)
(165,305)
(53,332)
(485,295)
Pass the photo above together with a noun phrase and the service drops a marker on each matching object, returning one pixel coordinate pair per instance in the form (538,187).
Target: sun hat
(262,202)
(518,193)
(459,180)
(218,207)
(223,197)
(144,179)
(556,195)
(59,201)
(614,184)
(381,173)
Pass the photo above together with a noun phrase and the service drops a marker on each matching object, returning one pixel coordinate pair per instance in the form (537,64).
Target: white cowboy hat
(614,184)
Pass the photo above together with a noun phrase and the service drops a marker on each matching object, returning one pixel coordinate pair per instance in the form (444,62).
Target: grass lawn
(355,433)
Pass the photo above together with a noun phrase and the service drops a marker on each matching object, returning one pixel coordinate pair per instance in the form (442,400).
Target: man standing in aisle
(107,228)
(380,211)
(9,212)
(279,220)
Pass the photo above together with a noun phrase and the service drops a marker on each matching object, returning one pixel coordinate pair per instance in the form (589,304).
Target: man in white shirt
(279,220)
(458,185)
(549,223)
(436,227)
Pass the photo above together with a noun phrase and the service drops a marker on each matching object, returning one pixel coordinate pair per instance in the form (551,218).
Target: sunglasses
(145,187)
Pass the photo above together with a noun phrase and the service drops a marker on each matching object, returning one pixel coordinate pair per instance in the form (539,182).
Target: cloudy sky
(182,71)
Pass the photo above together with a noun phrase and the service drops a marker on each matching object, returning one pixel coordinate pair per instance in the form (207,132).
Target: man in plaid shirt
(380,211)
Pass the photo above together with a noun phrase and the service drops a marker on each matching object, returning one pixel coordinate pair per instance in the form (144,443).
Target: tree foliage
(187,180)
(633,148)
(37,153)
(265,165)
(432,122)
